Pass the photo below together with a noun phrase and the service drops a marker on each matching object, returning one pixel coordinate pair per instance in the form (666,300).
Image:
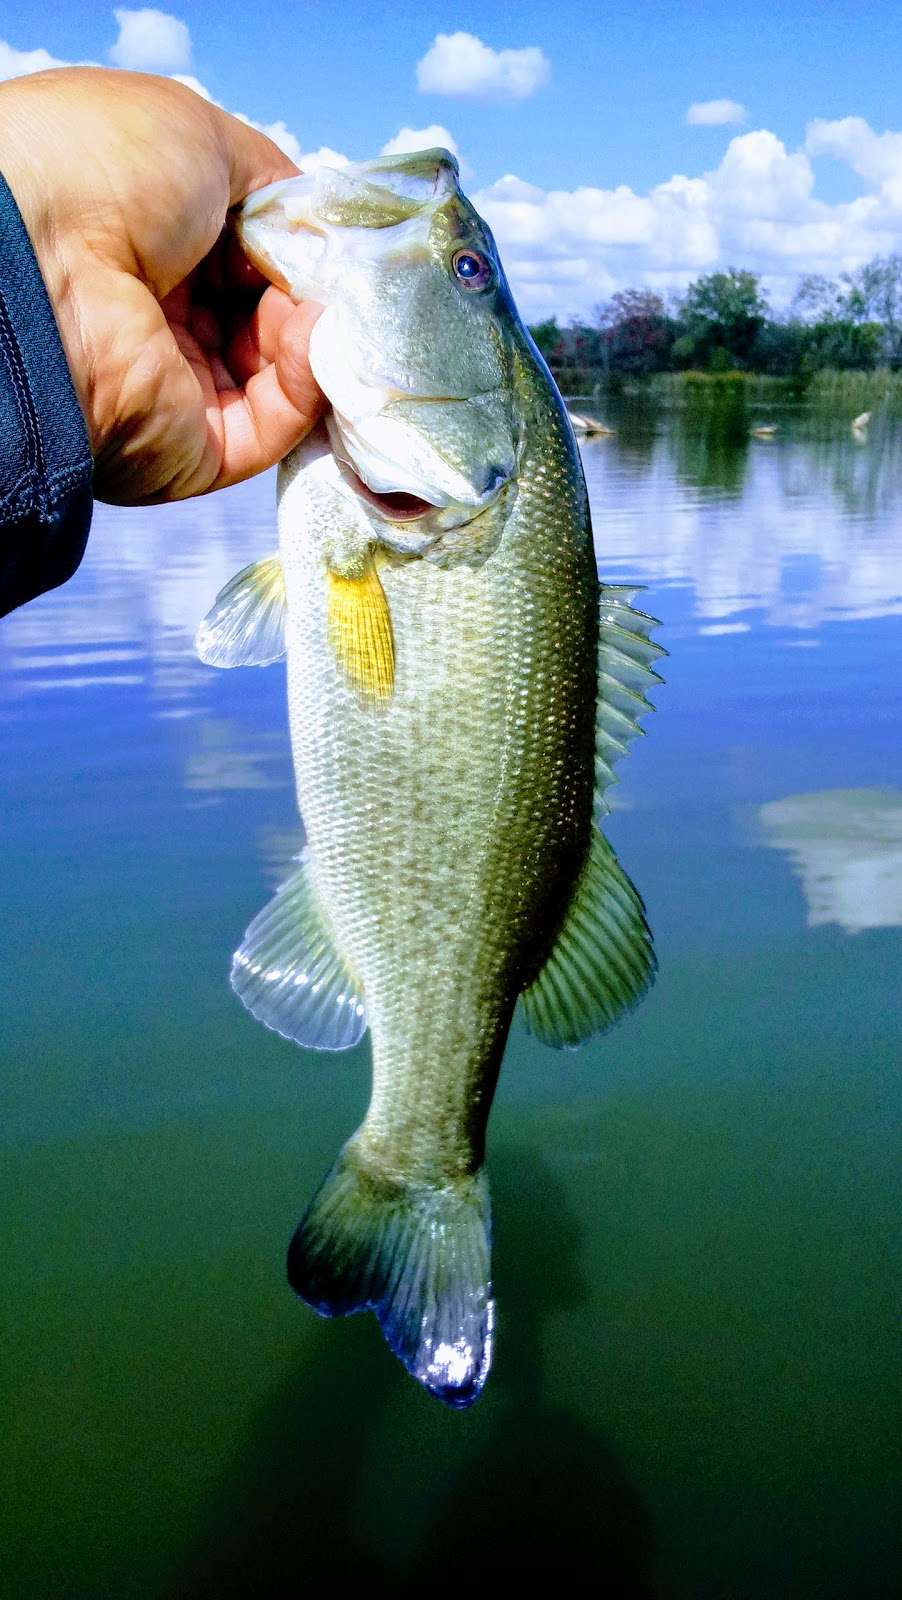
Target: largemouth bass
(459,687)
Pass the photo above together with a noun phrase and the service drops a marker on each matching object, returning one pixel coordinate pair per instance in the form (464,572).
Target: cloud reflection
(229,758)
(149,575)
(845,847)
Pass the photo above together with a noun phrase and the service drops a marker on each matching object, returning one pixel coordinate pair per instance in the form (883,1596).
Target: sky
(641,144)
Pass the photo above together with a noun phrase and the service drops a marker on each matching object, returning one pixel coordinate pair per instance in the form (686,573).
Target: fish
(459,689)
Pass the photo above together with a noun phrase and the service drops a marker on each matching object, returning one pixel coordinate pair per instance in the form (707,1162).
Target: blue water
(696,1384)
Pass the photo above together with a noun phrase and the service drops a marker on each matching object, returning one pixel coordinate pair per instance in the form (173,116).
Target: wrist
(23,137)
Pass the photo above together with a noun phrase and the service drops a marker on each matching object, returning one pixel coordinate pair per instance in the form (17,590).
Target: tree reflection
(709,438)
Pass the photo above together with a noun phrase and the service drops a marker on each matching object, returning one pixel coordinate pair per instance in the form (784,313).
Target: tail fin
(420,1257)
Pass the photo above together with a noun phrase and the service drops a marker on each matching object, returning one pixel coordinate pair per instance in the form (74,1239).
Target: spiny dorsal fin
(360,632)
(291,975)
(625,653)
(602,961)
(246,625)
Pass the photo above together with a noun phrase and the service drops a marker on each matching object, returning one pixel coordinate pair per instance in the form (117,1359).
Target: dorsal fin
(625,653)
(245,626)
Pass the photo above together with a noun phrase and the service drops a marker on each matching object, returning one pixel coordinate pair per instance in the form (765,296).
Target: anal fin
(602,961)
(291,975)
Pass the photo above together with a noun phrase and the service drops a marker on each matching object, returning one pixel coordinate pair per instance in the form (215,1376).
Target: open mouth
(395,504)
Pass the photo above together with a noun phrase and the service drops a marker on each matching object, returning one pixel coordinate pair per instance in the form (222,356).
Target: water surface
(696,1382)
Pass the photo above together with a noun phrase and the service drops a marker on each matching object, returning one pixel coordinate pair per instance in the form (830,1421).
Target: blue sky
(572,120)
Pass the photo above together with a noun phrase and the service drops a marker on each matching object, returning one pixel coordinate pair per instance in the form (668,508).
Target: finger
(237,269)
(205,327)
(277,407)
(253,342)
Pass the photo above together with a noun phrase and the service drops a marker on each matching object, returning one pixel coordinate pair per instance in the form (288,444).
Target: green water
(696,1386)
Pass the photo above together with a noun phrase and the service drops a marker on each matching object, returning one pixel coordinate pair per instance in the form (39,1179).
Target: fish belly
(446,827)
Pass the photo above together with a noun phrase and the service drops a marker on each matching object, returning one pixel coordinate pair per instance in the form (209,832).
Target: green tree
(723,312)
(547,336)
(875,295)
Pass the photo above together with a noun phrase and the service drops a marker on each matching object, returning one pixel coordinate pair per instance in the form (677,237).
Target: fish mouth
(403,495)
(402,504)
(396,505)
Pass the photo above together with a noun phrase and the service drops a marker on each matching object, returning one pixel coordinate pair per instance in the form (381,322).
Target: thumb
(292,360)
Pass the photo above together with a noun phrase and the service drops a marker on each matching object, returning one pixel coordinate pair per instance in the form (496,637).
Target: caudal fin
(420,1257)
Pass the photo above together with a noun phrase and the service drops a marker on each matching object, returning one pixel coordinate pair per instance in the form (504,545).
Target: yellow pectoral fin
(360,632)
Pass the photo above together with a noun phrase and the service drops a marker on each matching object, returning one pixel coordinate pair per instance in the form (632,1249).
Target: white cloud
(715,113)
(407,139)
(460,64)
(876,157)
(758,209)
(151,41)
(18,63)
(325,156)
(758,178)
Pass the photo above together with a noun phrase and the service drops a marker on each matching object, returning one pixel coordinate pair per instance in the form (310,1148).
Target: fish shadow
(282,1518)
(546,1499)
(515,1488)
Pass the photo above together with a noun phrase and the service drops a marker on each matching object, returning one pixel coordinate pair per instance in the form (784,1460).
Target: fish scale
(458,691)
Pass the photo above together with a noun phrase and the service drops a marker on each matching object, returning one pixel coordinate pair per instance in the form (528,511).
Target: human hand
(190,378)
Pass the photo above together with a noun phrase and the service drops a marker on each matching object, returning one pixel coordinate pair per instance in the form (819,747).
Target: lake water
(696,1387)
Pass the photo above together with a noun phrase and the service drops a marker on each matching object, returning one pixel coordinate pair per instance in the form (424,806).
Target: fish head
(415,349)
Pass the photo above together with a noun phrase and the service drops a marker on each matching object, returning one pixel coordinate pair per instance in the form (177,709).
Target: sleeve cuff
(45,457)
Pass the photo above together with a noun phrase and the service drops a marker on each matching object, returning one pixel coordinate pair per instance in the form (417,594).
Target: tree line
(723,323)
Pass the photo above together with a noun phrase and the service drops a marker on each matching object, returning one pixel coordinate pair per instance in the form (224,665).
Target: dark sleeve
(45,457)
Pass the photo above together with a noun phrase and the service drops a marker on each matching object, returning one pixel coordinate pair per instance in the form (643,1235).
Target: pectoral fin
(246,625)
(602,961)
(291,975)
(360,632)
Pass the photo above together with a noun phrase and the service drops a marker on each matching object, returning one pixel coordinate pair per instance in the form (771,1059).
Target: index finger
(279,404)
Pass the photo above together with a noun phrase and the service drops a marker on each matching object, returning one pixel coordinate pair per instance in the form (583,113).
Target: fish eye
(472,270)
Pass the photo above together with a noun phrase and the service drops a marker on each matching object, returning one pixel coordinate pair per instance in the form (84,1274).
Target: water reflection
(845,846)
(130,614)
(709,440)
(805,527)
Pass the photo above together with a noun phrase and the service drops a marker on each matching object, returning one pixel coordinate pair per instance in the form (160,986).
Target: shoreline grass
(842,393)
